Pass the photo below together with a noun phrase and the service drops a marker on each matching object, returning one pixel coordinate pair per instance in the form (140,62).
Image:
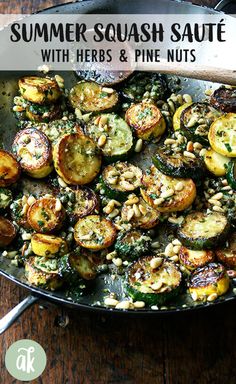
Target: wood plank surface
(190,348)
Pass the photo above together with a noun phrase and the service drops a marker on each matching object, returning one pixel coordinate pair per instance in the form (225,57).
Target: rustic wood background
(191,348)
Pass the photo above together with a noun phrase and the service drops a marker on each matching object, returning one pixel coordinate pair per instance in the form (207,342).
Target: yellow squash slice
(9,169)
(76,159)
(39,90)
(215,162)
(48,245)
(222,135)
(164,193)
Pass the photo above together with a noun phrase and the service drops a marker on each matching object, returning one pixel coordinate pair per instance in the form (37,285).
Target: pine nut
(194,296)
(159,201)
(114,213)
(212,297)
(87,236)
(78,113)
(130,214)
(111,255)
(107,90)
(169,250)
(102,121)
(96,121)
(189,154)
(24,200)
(126,185)
(139,304)
(176,220)
(217,209)
(138,146)
(179,186)
(128,175)
(202,152)
(197,145)
(167,193)
(218,196)
(226,188)
(172,106)
(132,201)
(31,200)
(224,182)
(157,286)
(102,140)
(142,209)
(174,258)
(4,253)
(137,212)
(26,236)
(192,121)
(189,146)
(169,141)
(61,183)
(113,180)
(155,262)
(176,248)
(215,202)
(110,302)
(187,98)
(155,244)
(58,205)
(117,261)
(109,207)
(25,209)
(123,305)
(176,242)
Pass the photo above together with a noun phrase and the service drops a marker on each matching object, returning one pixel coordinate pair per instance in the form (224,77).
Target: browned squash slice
(76,159)
(7,232)
(94,232)
(46,215)
(9,169)
(34,153)
(227,255)
(165,193)
(39,90)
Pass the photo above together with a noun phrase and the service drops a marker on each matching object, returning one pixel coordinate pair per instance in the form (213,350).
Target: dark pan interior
(8,89)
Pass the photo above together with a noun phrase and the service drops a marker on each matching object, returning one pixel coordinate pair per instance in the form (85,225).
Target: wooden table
(194,348)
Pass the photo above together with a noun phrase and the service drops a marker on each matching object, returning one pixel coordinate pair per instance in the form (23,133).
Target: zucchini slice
(153,286)
(205,281)
(79,202)
(5,198)
(227,255)
(158,186)
(92,97)
(222,135)
(118,138)
(94,232)
(43,113)
(195,121)
(59,128)
(201,230)
(224,98)
(175,164)
(177,114)
(46,215)
(216,163)
(43,272)
(7,232)
(34,153)
(48,245)
(82,265)
(120,179)
(132,244)
(231,174)
(39,90)
(146,120)
(148,218)
(19,211)
(9,169)
(193,259)
(76,159)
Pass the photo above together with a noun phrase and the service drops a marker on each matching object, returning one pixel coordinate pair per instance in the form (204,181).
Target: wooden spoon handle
(219,75)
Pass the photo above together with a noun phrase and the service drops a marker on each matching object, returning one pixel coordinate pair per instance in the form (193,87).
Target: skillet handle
(13,315)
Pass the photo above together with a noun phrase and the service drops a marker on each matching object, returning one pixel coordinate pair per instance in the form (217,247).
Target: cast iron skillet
(8,81)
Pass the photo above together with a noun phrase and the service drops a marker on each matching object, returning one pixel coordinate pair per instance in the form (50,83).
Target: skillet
(8,81)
